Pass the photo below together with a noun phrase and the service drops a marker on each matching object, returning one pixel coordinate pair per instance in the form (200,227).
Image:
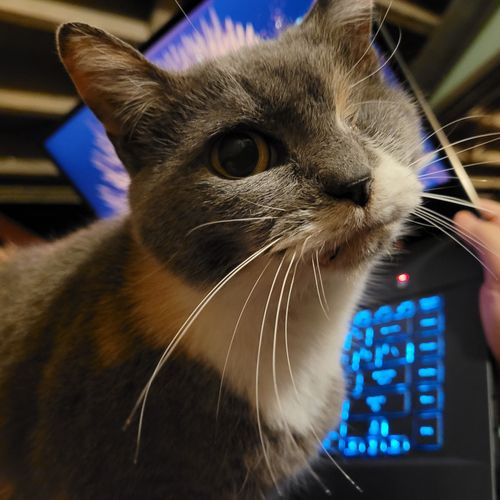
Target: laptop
(418,422)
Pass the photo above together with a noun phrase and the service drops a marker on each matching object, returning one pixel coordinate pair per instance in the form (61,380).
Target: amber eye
(240,154)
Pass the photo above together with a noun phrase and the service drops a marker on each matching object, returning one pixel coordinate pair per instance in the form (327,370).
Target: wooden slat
(486,183)
(410,16)
(27,167)
(482,154)
(489,120)
(34,103)
(48,14)
(38,195)
(163,11)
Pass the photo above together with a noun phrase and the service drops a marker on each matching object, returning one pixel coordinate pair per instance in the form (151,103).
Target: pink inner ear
(109,75)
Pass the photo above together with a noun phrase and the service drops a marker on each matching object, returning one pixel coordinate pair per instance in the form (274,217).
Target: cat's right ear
(115,80)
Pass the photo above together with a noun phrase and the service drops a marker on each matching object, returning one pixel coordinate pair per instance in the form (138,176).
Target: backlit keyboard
(394,363)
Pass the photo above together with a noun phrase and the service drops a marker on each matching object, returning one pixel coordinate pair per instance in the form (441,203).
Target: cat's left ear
(347,22)
(115,80)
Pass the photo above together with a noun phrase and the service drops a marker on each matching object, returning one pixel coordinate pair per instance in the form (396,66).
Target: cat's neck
(241,333)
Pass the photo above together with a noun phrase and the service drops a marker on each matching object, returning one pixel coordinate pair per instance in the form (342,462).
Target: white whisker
(261,205)
(453,200)
(257,375)
(317,288)
(234,335)
(187,17)
(246,219)
(458,229)
(276,322)
(318,267)
(496,136)
(427,218)
(440,172)
(372,40)
(470,117)
(383,65)
(287,351)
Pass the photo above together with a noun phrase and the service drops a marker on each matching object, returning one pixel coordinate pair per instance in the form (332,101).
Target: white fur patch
(396,190)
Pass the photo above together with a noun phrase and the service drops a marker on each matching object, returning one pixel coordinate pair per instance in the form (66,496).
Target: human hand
(487,232)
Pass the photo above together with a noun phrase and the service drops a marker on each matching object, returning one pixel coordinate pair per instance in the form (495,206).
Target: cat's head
(299,141)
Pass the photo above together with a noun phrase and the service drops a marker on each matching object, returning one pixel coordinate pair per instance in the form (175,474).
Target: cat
(266,185)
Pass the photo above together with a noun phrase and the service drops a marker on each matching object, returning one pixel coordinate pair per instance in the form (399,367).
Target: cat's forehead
(290,68)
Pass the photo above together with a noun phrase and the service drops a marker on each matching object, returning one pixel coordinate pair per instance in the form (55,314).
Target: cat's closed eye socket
(241,154)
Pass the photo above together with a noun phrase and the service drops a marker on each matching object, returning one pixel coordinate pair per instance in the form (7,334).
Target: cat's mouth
(358,248)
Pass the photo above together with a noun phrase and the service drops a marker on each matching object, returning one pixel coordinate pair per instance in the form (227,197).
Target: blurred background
(452,46)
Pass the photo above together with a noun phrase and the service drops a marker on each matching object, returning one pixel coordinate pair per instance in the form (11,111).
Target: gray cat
(265,186)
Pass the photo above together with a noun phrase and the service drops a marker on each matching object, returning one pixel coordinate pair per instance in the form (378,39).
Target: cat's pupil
(238,154)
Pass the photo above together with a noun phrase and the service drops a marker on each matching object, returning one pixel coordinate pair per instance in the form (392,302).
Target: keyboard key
(355,384)
(361,358)
(428,431)
(394,353)
(387,377)
(429,323)
(406,309)
(428,398)
(369,337)
(429,372)
(433,303)
(429,346)
(398,445)
(363,319)
(380,403)
(383,314)
(392,329)
(354,447)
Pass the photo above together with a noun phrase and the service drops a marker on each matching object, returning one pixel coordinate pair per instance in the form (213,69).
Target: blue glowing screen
(80,146)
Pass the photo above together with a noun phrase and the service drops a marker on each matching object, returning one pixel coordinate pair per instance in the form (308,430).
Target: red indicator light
(403,278)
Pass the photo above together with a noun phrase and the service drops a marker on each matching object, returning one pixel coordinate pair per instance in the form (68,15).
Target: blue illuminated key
(354,446)
(406,309)
(360,358)
(429,346)
(391,329)
(380,403)
(428,398)
(429,323)
(398,445)
(383,314)
(430,303)
(429,372)
(363,319)
(387,377)
(428,431)
(393,353)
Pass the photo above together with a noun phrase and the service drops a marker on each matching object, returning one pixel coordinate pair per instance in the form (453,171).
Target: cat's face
(300,141)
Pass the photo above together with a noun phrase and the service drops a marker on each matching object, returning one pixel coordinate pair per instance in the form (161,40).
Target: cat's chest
(282,356)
